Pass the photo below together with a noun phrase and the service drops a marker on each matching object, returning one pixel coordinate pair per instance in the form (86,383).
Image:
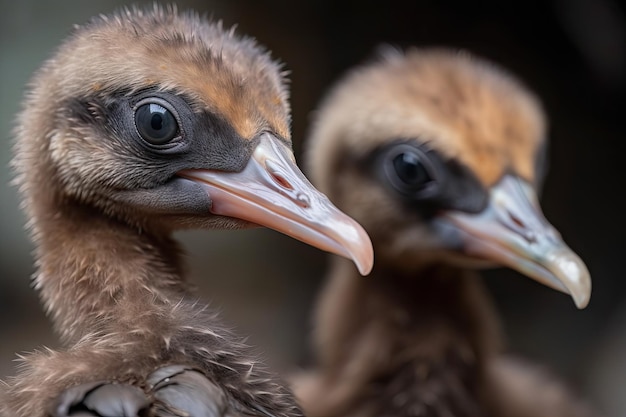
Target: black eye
(409,170)
(156,124)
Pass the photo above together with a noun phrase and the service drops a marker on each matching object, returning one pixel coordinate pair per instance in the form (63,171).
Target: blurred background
(571,52)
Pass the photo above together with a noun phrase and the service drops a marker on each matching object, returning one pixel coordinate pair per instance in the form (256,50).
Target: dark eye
(409,170)
(156,124)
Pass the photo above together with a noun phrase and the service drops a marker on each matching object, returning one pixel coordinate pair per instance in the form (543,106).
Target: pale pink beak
(271,191)
(513,232)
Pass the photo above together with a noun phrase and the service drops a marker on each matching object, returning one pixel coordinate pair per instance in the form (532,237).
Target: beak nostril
(299,198)
(282,181)
(516,220)
(524,230)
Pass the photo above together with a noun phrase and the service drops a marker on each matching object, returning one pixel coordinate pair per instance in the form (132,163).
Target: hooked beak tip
(572,273)
(364,258)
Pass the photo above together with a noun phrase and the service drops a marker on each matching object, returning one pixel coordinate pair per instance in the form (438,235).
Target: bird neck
(377,328)
(117,295)
(96,273)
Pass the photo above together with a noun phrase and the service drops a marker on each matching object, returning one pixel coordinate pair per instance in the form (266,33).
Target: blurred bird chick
(439,155)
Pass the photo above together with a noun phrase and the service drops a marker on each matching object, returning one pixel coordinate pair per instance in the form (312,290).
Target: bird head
(166,121)
(439,155)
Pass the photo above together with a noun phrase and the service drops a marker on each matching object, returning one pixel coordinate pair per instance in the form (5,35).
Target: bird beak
(513,232)
(271,191)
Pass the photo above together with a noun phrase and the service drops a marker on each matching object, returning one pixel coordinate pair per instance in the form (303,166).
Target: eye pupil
(410,170)
(156,124)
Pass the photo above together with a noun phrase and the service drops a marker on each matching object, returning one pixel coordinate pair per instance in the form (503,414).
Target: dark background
(572,53)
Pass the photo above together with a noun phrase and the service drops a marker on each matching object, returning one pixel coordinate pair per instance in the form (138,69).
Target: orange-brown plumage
(438,155)
(468,110)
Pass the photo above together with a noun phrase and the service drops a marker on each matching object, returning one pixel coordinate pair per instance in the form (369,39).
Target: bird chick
(438,154)
(142,123)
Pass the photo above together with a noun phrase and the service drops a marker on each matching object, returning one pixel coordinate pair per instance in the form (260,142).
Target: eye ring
(409,171)
(156,122)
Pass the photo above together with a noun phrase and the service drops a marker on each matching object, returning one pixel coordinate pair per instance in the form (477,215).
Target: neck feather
(370,329)
(95,272)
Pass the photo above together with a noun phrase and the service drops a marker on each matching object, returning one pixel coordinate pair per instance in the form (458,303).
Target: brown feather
(462,106)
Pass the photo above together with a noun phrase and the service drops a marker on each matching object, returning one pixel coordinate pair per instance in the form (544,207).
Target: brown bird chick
(438,155)
(142,123)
